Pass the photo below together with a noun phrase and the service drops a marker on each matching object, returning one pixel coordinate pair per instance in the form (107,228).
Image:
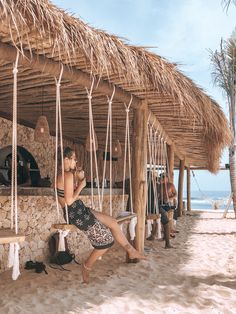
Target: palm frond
(227,3)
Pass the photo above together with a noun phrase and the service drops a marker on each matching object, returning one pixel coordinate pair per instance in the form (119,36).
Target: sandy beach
(197,276)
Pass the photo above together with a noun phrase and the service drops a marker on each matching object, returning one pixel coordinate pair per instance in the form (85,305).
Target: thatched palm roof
(191,119)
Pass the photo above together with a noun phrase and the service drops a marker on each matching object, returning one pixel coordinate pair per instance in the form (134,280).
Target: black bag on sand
(60,257)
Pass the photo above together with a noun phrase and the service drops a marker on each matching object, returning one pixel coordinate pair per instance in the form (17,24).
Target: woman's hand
(82,183)
(79,174)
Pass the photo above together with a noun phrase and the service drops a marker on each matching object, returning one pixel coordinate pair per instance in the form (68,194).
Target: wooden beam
(180,187)
(188,189)
(53,68)
(139,168)
(171,160)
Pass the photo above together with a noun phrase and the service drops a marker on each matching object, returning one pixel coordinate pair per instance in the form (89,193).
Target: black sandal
(38,266)
(30,265)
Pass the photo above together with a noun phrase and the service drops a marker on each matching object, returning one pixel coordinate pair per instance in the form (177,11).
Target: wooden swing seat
(9,236)
(126,218)
(65,226)
(153,216)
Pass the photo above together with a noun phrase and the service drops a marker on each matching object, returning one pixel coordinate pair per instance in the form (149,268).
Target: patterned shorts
(82,217)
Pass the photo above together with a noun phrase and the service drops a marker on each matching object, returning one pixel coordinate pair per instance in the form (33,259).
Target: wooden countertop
(45,191)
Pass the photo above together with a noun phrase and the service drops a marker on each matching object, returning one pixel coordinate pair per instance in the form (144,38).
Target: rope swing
(155,162)
(12,236)
(59,134)
(93,148)
(127,150)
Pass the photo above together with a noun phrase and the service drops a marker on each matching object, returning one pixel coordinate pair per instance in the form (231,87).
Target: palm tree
(226,3)
(224,74)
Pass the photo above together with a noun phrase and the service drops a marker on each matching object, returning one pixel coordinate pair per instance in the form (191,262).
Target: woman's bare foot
(133,253)
(85,273)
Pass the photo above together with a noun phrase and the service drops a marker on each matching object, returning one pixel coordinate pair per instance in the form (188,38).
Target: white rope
(105,156)
(158,228)
(161,164)
(61,244)
(127,147)
(92,143)
(152,181)
(158,164)
(132,225)
(155,171)
(109,128)
(14,204)
(167,161)
(59,132)
(110,185)
(148,208)
(166,170)
(149,227)
(13,258)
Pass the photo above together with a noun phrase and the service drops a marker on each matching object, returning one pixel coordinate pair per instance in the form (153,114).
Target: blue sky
(182,31)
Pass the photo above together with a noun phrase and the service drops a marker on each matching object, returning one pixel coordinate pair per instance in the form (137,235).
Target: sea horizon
(209,200)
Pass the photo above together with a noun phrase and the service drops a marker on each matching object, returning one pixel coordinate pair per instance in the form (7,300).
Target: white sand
(198,276)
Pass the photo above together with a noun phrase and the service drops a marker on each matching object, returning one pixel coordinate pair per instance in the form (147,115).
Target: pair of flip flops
(38,266)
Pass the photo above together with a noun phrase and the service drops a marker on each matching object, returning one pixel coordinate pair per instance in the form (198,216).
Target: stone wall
(43,153)
(36,215)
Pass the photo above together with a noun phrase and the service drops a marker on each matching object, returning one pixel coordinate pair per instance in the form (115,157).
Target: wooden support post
(188,189)
(139,168)
(180,187)
(171,158)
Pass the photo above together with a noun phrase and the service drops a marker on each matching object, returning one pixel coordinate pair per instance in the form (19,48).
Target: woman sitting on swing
(101,229)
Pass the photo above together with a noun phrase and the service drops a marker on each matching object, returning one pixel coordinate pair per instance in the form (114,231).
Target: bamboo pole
(139,168)
(180,187)
(188,189)
(171,159)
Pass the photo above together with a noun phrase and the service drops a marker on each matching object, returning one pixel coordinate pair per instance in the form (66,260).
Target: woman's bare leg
(112,224)
(87,266)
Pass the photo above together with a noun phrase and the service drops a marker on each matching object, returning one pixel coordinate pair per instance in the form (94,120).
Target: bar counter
(48,191)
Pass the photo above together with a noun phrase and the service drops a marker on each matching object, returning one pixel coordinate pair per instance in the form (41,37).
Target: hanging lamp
(41,132)
(117,151)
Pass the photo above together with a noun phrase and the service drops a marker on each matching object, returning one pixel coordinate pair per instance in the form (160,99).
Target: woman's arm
(70,194)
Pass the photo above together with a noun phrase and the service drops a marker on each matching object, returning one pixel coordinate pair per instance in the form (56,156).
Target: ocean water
(206,200)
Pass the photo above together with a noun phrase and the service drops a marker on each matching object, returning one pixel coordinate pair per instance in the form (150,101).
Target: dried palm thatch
(181,107)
